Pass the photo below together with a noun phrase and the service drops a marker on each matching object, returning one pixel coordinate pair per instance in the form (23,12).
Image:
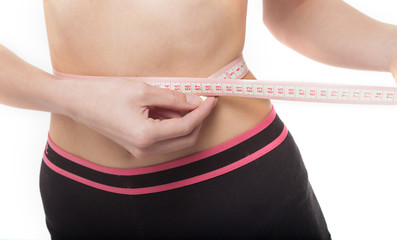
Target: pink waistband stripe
(172,164)
(169,186)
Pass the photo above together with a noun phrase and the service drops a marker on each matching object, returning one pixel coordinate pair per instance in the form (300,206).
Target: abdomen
(148,38)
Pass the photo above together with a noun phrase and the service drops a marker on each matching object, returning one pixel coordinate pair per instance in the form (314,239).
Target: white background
(349,150)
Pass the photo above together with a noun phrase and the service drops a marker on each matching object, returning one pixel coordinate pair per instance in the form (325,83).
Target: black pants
(252,187)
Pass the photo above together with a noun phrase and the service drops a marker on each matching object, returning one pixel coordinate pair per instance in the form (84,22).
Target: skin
(171,38)
(157,46)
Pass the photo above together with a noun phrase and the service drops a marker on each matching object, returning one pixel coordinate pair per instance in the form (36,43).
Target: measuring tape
(227,82)
(296,91)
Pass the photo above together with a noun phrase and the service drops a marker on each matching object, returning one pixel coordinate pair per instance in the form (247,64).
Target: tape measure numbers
(227,82)
(296,91)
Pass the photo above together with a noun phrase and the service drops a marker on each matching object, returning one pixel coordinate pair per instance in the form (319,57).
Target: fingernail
(203,98)
(193,99)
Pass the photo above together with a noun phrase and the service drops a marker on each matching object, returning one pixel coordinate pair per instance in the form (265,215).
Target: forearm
(332,32)
(25,86)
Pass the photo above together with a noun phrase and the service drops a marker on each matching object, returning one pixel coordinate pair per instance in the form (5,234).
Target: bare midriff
(169,38)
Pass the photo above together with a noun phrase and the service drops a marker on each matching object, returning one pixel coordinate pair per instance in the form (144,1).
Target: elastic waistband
(216,161)
(236,69)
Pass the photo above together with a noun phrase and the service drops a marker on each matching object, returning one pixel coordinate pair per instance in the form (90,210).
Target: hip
(254,186)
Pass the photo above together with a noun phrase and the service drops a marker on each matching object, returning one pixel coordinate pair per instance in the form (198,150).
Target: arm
(332,32)
(95,104)
(25,86)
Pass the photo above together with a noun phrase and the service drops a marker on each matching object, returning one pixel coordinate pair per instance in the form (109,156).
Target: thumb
(170,99)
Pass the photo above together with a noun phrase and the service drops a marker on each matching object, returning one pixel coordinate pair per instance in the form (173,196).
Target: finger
(176,127)
(166,113)
(174,144)
(170,99)
(153,114)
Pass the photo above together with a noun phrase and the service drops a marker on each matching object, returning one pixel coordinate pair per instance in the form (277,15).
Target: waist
(229,156)
(231,117)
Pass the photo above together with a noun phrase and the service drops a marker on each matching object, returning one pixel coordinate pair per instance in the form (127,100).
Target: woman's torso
(191,38)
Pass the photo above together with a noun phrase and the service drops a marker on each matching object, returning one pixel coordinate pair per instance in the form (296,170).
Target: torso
(192,38)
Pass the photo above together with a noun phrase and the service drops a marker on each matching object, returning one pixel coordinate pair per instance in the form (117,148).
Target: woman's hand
(143,119)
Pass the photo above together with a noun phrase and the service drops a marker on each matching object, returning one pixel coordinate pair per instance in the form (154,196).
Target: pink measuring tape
(227,82)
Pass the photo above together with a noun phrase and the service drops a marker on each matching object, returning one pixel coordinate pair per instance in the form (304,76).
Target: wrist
(58,96)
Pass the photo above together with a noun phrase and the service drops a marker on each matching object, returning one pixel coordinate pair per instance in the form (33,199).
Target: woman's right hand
(143,119)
